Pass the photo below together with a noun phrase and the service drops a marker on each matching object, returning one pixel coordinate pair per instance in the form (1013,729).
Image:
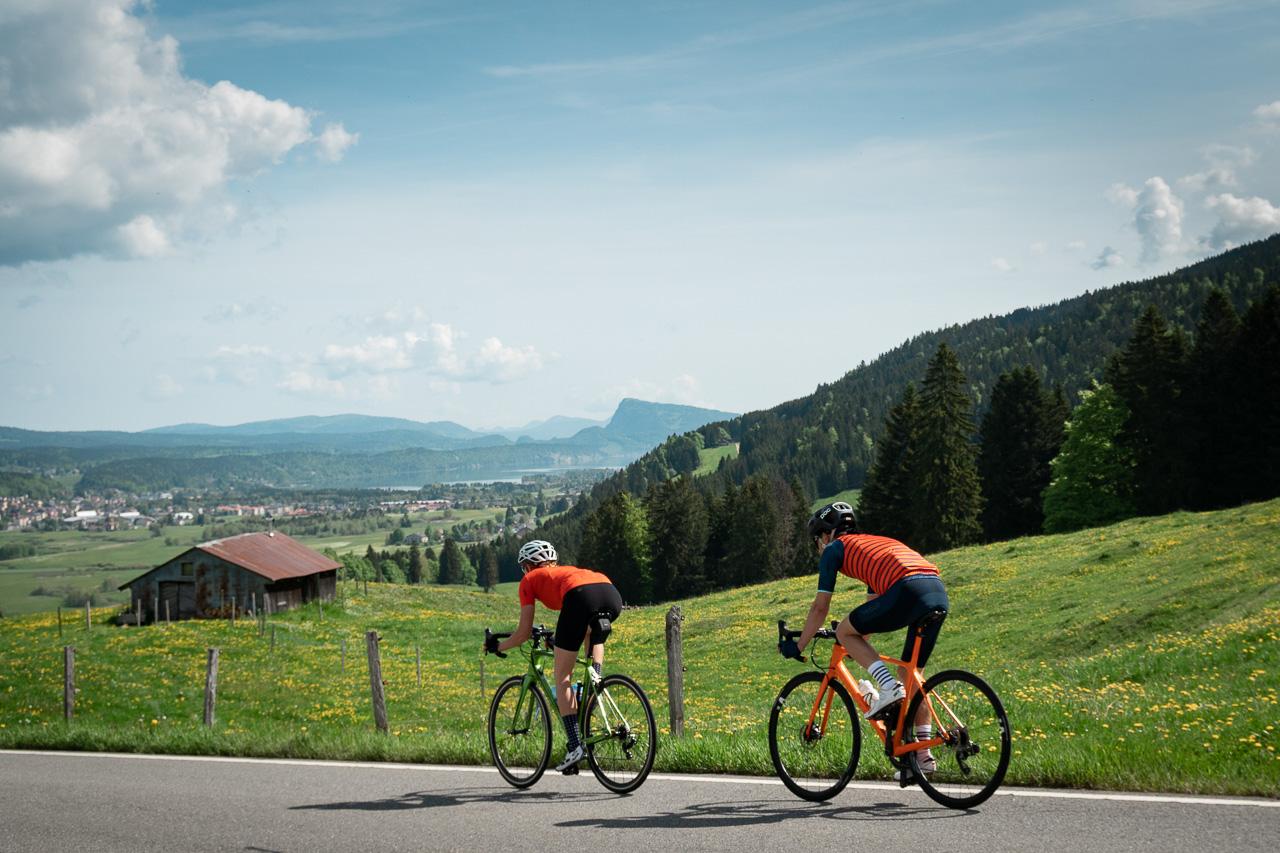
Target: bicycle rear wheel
(622,760)
(519,733)
(972,763)
(814,762)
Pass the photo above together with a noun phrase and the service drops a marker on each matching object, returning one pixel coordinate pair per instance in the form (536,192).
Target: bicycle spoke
(519,733)
(972,763)
(620,716)
(814,754)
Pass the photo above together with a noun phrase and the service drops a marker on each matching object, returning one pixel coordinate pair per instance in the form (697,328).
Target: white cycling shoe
(928,766)
(571,759)
(886,698)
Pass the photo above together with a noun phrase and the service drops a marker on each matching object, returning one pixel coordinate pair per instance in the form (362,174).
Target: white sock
(924,732)
(881,673)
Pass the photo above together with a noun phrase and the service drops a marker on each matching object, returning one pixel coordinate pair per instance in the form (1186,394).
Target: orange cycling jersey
(550,583)
(877,561)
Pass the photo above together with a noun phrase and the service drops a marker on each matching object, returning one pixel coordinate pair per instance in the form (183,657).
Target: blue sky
(494,213)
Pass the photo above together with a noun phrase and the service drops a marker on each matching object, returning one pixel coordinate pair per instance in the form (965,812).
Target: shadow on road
(759,812)
(455,797)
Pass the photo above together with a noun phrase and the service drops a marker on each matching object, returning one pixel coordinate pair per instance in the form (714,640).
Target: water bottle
(577,691)
(869,694)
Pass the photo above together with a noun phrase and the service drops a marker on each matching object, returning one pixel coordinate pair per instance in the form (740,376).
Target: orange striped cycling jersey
(877,561)
(549,584)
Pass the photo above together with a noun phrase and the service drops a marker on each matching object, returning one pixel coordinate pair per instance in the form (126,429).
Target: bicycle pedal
(906,779)
(570,771)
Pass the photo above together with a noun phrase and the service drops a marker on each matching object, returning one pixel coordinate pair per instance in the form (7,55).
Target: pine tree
(450,562)
(1092,476)
(886,504)
(1215,401)
(415,564)
(1259,363)
(615,542)
(489,567)
(1149,375)
(946,474)
(1020,435)
(678,537)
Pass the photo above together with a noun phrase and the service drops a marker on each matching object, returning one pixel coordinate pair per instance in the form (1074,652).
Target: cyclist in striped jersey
(902,586)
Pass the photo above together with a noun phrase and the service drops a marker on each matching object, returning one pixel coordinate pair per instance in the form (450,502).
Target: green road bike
(614,718)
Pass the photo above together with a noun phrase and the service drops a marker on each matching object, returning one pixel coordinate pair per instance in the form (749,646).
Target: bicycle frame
(894,745)
(539,660)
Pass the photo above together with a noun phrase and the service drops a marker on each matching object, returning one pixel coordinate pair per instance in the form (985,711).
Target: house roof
(273,555)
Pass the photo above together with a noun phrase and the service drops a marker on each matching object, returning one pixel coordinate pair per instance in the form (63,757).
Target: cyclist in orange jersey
(580,595)
(902,586)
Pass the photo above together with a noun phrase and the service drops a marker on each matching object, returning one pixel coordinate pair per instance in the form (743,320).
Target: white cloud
(497,362)
(1241,220)
(141,237)
(1107,258)
(333,143)
(1039,247)
(106,147)
(243,351)
(1268,114)
(1157,216)
(1223,162)
(1076,246)
(1002,265)
(375,354)
(162,387)
(305,382)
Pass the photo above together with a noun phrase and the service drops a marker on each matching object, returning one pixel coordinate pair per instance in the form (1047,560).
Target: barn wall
(213,584)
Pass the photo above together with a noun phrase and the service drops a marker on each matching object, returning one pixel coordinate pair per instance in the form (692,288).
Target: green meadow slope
(1140,656)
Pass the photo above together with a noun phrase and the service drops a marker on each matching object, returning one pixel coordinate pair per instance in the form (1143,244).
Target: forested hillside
(825,443)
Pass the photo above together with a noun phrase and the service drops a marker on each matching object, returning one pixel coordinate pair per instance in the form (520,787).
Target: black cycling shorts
(902,605)
(580,606)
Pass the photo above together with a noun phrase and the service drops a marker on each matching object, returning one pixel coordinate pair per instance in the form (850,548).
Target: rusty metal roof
(272,555)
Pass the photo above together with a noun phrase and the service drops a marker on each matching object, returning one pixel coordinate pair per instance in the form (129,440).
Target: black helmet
(833,518)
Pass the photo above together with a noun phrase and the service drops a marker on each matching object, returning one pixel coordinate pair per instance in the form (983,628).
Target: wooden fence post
(210,687)
(273,639)
(342,669)
(375,682)
(137,610)
(417,653)
(68,682)
(59,623)
(157,607)
(233,613)
(88,621)
(168,620)
(675,671)
(482,690)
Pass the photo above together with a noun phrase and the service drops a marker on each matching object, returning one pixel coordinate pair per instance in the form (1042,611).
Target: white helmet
(537,551)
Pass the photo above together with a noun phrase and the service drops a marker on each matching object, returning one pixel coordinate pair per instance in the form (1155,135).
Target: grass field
(1141,656)
(86,560)
(711,456)
(849,496)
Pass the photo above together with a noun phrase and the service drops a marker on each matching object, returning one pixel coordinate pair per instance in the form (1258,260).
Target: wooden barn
(243,572)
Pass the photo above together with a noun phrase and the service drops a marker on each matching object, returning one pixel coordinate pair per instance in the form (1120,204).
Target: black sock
(571,729)
(596,667)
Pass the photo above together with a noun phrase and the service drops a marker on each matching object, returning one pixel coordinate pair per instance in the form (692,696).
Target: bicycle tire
(834,767)
(520,755)
(622,762)
(973,765)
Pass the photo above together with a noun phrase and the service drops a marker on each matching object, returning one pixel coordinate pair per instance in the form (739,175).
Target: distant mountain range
(384,451)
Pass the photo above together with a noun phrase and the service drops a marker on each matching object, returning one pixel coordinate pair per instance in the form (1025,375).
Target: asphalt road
(86,801)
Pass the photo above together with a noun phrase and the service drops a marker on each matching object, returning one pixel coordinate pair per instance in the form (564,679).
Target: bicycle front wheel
(968,714)
(619,711)
(814,754)
(519,732)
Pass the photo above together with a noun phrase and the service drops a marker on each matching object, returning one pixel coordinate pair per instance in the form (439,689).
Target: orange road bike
(815,736)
